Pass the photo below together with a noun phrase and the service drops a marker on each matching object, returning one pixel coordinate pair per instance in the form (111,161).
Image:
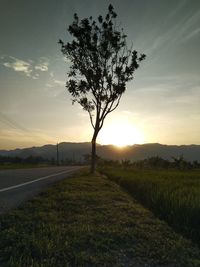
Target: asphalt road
(17,186)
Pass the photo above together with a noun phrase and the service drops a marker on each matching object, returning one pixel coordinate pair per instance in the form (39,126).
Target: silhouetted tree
(126,163)
(196,164)
(181,163)
(157,162)
(101,65)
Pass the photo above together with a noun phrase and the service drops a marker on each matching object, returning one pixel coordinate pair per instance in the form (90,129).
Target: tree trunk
(93,155)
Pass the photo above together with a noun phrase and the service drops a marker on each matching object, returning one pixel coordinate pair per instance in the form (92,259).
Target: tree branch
(91,119)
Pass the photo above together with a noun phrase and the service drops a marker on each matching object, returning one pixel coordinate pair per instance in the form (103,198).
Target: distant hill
(75,151)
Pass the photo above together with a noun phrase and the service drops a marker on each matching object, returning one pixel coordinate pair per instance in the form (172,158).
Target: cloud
(43,64)
(29,67)
(19,65)
(183,29)
(11,123)
(54,81)
(13,138)
(42,67)
(49,85)
(59,82)
(192,34)
(13,134)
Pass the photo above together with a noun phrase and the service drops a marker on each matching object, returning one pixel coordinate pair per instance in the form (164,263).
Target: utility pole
(57,154)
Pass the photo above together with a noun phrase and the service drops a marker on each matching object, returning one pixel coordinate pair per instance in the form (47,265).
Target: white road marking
(33,181)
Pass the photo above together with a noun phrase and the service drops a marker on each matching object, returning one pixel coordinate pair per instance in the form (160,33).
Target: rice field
(173,196)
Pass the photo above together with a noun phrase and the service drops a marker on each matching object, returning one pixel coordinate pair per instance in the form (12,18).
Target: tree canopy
(101,65)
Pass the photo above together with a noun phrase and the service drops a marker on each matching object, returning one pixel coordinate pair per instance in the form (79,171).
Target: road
(17,186)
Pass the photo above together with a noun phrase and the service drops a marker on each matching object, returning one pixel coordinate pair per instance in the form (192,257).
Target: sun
(120,134)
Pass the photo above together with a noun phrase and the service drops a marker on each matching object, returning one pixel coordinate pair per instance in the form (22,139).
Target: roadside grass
(89,221)
(172,195)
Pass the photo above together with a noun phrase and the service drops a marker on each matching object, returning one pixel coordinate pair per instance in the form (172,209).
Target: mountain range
(76,151)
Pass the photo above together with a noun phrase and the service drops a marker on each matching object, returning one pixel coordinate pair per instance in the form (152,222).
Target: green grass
(172,195)
(89,221)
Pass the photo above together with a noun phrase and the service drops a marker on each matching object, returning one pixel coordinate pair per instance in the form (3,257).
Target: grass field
(89,221)
(172,195)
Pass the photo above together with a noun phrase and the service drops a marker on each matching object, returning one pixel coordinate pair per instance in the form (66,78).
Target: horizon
(98,144)
(161,104)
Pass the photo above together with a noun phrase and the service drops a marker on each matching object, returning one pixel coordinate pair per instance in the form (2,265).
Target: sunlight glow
(121,134)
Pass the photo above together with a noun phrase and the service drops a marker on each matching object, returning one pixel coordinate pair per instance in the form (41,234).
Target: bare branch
(117,104)
(91,119)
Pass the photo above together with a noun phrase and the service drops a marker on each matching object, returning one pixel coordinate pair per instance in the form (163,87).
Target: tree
(101,65)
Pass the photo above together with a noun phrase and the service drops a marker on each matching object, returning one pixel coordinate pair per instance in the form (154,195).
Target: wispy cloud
(11,123)
(59,82)
(192,34)
(18,65)
(13,138)
(43,64)
(185,28)
(12,132)
(28,67)
(53,81)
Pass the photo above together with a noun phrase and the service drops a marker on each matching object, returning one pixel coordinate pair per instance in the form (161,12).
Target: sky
(160,105)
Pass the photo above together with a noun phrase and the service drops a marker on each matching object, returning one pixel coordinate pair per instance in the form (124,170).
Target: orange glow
(120,134)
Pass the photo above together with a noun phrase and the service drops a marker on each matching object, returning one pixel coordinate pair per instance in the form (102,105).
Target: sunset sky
(162,103)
